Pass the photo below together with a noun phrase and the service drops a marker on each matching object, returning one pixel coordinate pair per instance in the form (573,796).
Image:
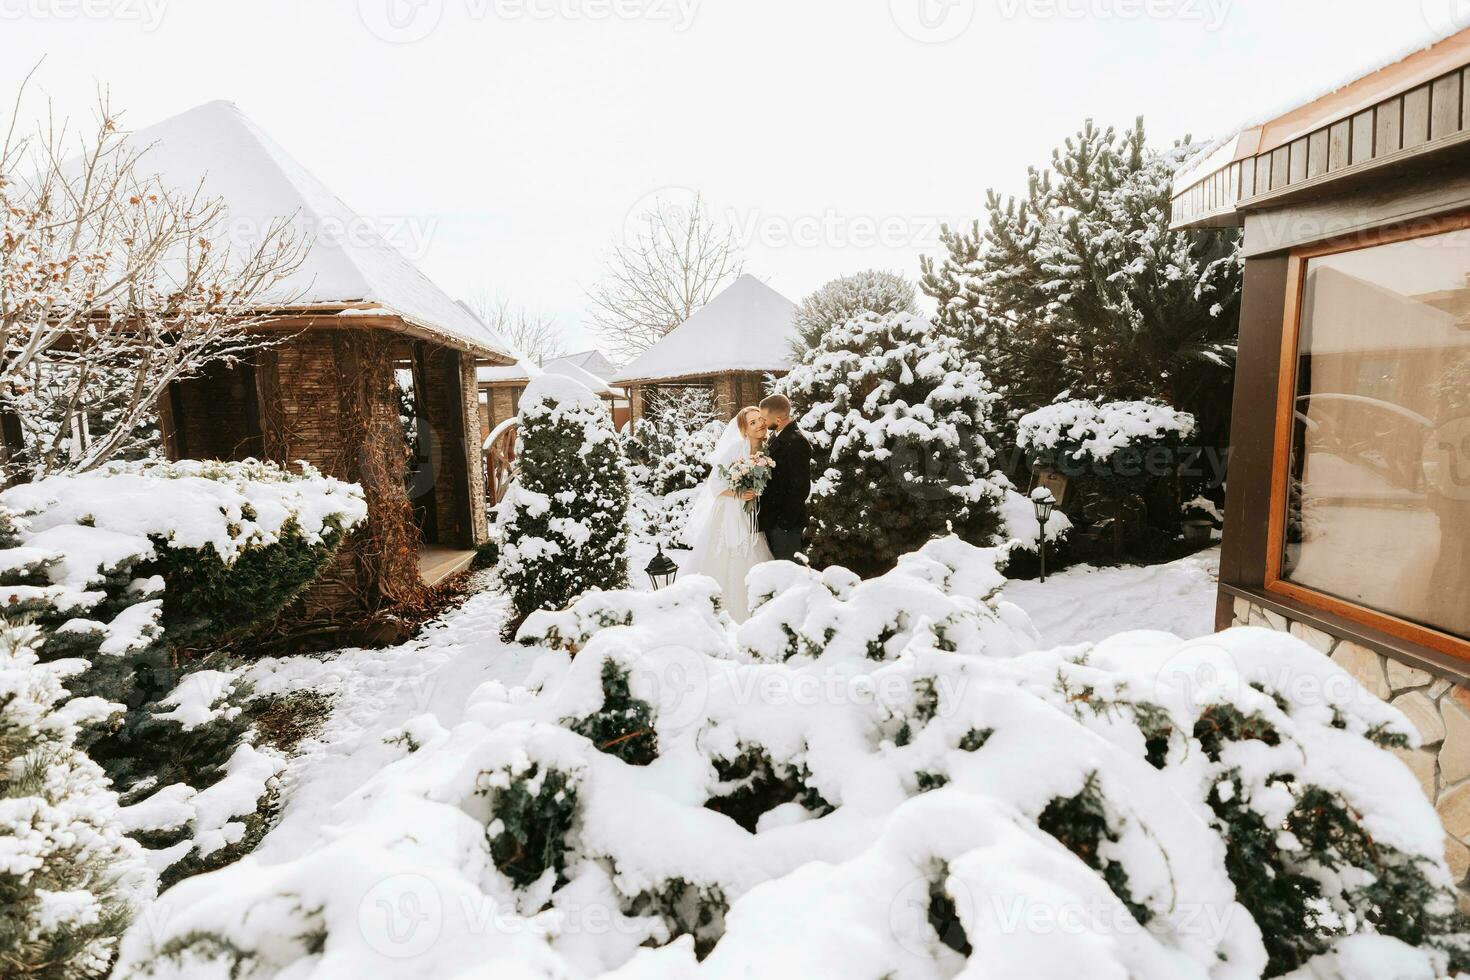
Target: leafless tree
(536,335)
(677,260)
(113,286)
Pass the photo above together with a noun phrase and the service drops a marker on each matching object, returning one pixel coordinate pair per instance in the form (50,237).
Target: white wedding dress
(722,532)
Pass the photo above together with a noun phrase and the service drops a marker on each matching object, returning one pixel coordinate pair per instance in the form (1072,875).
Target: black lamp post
(661,569)
(1044,502)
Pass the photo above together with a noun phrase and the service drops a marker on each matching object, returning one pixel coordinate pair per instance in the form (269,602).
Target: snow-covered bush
(880,778)
(70,882)
(121,570)
(233,542)
(1076,436)
(900,427)
(1124,458)
(564,522)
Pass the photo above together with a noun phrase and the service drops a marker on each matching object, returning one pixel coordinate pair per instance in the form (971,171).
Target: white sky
(505,148)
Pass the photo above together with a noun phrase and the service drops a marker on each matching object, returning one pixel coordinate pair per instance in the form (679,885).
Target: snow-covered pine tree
(684,429)
(70,882)
(900,426)
(565,520)
(1080,286)
(872,290)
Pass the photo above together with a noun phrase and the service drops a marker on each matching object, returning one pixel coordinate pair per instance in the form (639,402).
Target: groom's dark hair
(778,405)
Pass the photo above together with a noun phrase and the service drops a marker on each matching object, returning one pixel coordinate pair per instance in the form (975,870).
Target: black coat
(783,501)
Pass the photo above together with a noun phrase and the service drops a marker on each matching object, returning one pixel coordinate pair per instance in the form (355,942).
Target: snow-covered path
(1085,604)
(375,692)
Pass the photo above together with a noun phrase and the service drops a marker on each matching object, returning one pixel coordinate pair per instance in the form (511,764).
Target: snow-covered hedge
(234,542)
(1081,432)
(865,779)
(124,568)
(70,882)
(564,521)
(901,432)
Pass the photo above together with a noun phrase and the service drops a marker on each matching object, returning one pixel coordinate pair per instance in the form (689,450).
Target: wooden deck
(437,563)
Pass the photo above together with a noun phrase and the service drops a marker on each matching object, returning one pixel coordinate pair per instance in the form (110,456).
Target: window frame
(1386,623)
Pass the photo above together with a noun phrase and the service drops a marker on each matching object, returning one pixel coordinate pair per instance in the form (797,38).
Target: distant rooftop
(747,327)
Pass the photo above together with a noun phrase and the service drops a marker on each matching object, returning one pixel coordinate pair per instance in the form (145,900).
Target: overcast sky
(504,144)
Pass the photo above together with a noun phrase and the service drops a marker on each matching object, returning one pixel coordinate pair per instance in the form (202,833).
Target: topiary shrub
(564,522)
(900,426)
(881,778)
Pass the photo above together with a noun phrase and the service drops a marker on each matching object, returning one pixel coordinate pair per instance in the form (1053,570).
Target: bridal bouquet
(752,473)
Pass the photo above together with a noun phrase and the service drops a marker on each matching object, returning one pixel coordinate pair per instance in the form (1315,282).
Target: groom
(783,501)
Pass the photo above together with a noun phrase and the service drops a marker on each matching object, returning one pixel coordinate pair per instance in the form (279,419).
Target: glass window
(1378,512)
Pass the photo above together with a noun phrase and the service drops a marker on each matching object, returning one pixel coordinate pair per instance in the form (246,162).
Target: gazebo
(729,346)
(373,381)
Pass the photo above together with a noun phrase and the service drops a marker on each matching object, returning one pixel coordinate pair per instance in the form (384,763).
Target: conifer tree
(565,520)
(70,882)
(1079,287)
(871,291)
(900,426)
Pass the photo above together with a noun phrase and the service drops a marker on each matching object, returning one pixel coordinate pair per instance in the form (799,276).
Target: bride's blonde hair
(744,416)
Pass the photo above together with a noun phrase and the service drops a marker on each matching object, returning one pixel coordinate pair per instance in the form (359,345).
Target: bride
(726,544)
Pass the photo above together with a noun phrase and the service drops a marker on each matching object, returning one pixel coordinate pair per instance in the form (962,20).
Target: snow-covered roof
(349,264)
(593,361)
(568,370)
(747,327)
(521,371)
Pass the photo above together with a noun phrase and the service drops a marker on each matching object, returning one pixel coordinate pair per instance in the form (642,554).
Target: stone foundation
(1438,708)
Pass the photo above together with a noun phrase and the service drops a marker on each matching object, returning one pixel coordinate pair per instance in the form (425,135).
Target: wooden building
(373,380)
(501,387)
(730,346)
(1348,512)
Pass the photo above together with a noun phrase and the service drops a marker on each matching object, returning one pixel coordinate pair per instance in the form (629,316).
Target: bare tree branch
(535,335)
(678,261)
(112,287)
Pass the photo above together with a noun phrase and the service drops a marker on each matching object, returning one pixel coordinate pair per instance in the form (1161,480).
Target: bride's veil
(730,447)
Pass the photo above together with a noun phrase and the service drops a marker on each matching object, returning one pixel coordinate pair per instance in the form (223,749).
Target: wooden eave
(1403,116)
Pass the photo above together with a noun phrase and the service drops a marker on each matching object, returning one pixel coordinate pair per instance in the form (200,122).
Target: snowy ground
(376,691)
(1086,604)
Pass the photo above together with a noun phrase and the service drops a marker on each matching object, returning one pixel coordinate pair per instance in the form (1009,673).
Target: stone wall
(1438,708)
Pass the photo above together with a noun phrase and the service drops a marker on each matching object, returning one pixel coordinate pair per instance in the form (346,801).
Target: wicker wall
(326,397)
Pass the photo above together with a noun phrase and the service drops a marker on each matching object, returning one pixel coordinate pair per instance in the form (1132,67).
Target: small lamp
(1045,503)
(661,569)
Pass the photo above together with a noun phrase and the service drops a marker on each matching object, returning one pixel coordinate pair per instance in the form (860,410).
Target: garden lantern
(661,569)
(1044,502)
